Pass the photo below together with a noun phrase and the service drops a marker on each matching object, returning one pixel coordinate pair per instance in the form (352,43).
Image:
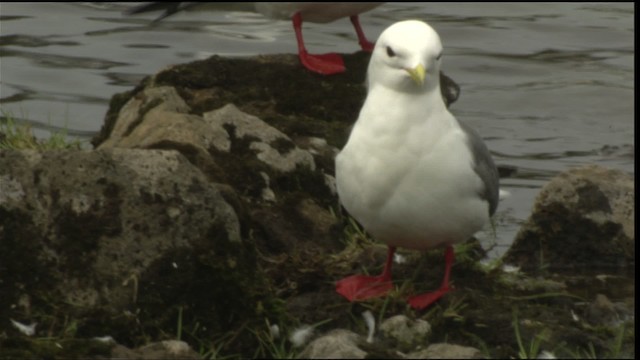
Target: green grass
(20,137)
(614,348)
(533,349)
(271,346)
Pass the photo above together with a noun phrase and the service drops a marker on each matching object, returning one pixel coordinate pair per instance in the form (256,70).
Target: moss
(273,91)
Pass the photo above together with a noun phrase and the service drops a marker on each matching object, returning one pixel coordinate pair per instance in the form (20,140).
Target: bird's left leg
(422,301)
(365,44)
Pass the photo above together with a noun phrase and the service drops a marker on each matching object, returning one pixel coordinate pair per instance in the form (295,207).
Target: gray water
(549,86)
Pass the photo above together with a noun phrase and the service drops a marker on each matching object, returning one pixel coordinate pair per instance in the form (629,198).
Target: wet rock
(405,333)
(157,117)
(273,87)
(582,219)
(603,311)
(161,103)
(446,351)
(163,350)
(114,238)
(270,145)
(337,344)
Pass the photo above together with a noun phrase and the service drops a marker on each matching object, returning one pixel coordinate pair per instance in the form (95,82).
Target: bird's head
(406,57)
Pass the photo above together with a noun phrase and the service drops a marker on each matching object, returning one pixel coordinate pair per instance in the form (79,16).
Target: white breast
(410,183)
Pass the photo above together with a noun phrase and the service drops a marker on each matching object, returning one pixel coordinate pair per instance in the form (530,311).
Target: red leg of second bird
(326,64)
(365,44)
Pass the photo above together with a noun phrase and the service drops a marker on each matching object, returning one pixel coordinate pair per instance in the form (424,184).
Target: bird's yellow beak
(417,74)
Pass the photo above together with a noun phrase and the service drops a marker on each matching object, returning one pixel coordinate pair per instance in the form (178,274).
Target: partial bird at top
(317,12)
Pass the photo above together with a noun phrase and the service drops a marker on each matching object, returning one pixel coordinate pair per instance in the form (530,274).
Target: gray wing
(484,167)
(449,89)
(171,8)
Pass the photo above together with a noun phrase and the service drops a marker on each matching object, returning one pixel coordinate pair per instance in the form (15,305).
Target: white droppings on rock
(399,259)
(267,192)
(371,325)
(301,335)
(105,339)
(274,331)
(28,330)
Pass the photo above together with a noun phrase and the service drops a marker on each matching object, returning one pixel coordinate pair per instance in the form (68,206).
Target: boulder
(582,219)
(337,344)
(117,238)
(446,351)
(163,350)
(404,333)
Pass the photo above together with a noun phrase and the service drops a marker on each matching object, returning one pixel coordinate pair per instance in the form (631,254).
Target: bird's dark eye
(439,56)
(390,52)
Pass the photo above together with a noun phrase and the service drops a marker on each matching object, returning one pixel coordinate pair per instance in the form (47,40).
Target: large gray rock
(604,312)
(337,344)
(446,351)
(163,350)
(281,194)
(583,218)
(270,145)
(114,232)
(158,117)
(404,333)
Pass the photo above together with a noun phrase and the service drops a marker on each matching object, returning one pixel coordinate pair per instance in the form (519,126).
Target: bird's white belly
(413,200)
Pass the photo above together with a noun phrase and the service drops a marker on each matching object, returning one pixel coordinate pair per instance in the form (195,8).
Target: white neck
(403,113)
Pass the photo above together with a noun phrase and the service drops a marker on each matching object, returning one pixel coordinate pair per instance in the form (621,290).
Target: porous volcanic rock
(582,219)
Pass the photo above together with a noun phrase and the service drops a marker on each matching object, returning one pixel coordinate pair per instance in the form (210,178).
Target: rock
(337,344)
(268,86)
(163,350)
(120,236)
(161,103)
(446,351)
(604,312)
(582,219)
(271,146)
(405,333)
(157,117)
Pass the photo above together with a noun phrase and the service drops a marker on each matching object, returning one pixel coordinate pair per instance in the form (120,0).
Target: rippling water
(549,86)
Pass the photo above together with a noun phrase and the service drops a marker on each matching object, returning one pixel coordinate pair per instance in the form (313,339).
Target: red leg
(360,287)
(422,301)
(325,64)
(365,44)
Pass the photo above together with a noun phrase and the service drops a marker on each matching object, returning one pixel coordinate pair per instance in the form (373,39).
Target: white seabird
(411,173)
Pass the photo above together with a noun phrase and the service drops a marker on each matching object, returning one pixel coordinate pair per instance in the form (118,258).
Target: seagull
(316,12)
(411,173)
